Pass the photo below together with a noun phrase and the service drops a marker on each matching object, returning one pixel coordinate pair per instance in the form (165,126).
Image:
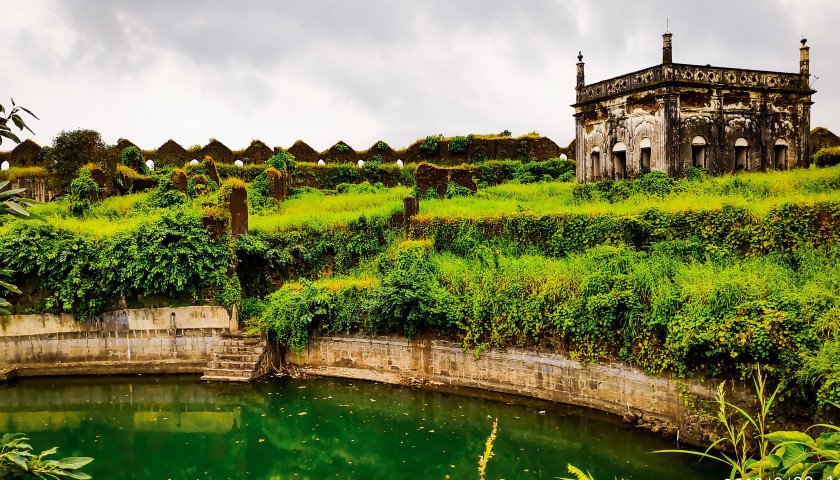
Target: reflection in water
(179,428)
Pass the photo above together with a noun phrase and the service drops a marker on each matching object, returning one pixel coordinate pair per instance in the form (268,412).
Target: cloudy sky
(365,70)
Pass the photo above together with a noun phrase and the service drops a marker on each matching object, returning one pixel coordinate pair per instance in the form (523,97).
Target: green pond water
(176,427)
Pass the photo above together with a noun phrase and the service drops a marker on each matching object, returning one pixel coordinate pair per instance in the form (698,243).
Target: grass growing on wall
(23,172)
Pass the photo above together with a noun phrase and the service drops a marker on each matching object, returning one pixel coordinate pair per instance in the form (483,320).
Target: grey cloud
(416,67)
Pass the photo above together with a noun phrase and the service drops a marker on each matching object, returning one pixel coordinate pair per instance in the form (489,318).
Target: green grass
(105,218)
(757,192)
(321,211)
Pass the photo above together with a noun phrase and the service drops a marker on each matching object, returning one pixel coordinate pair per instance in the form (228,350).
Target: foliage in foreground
(17,460)
(752,450)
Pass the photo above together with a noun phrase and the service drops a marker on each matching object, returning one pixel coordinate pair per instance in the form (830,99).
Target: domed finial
(803,41)
(580,57)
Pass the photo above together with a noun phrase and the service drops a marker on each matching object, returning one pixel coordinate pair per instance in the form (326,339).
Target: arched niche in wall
(699,152)
(780,155)
(619,160)
(742,157)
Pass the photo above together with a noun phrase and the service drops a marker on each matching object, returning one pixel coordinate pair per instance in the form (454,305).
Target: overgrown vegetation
(702,276)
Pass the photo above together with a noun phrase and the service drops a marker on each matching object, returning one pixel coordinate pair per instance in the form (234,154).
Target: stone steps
(235,359)
(217,378)
(231,365)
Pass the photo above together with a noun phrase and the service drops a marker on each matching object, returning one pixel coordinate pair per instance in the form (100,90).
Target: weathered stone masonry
(159,334)
(672,117)
(612,387)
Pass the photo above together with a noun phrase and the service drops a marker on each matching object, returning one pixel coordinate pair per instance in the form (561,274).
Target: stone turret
(804,58)
(667,56)
(580,81)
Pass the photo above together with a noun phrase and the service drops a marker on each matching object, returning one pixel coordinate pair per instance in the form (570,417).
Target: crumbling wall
(218,152)
(257,153)
(438,178)
(171,152)
(335,153)
(26,154)
(303,152)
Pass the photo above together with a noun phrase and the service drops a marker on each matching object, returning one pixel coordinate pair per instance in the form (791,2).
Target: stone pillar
(238,207)
(411,207)
(804,153)
(666,48)
(277,184)
(179,180)
(669,106)
(581,161)
(804,159)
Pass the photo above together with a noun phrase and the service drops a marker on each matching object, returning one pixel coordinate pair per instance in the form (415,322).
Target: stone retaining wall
(612,387)
(185,334)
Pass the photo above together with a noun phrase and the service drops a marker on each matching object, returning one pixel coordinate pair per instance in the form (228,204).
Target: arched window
(619,157)
(742,149)
(644,154)
(595,156)
(698,152)
(780,155)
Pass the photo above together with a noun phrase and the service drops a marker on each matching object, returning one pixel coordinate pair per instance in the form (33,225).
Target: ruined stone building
(673,116)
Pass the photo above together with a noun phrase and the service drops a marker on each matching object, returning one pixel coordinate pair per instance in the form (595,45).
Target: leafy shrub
(291,313)
(382,146)
(164,196)
(283,162)
(132,156)
(71,150)
(430,145)
(827,157)
(342,148)
(454,190)
(81,189)
(459,145)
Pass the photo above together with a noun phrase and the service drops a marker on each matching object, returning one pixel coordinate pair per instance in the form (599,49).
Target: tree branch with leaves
(13,116)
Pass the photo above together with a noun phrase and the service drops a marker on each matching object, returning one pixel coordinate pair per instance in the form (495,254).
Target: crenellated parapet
(674,74)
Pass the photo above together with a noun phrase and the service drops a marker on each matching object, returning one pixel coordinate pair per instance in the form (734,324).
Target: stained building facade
(672,117)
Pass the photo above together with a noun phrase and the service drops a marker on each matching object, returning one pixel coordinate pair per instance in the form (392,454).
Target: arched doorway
(699,152)
(780,155)
(619,158)
(644,154)
(742,158)
(595,160)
